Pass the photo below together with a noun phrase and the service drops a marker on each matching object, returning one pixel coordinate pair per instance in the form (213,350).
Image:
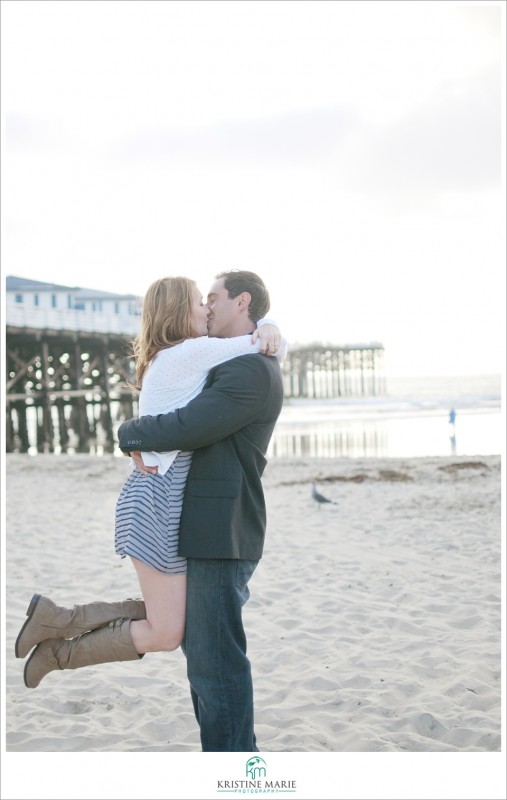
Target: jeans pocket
(244,571)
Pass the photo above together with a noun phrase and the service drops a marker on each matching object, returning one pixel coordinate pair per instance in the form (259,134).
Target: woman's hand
(269,337)
(141,466)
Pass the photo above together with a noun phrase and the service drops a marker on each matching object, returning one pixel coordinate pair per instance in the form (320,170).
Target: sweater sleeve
(207,352)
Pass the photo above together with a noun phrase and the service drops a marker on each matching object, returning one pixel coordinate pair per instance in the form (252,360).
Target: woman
(173,358)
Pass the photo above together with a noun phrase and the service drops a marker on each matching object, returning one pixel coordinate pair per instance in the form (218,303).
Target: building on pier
(37,305)
(69,365)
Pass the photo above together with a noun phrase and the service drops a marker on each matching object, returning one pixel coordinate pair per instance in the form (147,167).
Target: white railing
(20,316)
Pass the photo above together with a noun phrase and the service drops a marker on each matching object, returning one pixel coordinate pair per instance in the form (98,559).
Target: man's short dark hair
(237,281)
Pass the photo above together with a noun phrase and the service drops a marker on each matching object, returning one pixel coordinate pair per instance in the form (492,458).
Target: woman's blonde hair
(166,320)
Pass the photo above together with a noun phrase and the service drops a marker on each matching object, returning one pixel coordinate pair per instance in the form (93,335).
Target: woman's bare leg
(165,599)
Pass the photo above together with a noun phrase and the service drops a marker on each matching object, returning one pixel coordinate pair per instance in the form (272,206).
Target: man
(223,522)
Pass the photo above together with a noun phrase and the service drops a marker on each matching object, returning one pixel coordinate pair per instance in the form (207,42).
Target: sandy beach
(373,623)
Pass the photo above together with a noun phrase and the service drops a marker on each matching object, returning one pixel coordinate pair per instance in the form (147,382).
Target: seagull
(320,497)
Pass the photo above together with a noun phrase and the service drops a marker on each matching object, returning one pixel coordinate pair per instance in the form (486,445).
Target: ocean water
(411,419)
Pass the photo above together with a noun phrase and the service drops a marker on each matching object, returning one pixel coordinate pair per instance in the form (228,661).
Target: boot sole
(29,612)
(26,669)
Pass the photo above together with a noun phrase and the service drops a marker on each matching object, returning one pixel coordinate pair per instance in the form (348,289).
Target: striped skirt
(148,514)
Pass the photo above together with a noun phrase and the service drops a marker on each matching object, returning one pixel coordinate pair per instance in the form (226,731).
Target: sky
(351,153)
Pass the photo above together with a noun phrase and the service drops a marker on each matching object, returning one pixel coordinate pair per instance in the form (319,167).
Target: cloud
(290,137)
(451,143)
(28,132)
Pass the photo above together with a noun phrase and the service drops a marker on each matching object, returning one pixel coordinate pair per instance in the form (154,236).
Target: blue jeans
(215,646)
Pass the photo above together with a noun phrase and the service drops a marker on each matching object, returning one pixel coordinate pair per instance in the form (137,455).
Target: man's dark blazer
(229,426)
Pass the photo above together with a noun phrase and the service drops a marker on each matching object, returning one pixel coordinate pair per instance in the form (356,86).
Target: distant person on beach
(452,421)
(228,397)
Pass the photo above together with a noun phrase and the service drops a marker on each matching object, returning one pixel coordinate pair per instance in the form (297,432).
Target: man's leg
(215,646)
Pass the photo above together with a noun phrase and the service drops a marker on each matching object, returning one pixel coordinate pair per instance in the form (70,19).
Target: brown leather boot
(113,642)
(46,620)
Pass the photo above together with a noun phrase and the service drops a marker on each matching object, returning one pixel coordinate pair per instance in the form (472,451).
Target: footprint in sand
(427,725)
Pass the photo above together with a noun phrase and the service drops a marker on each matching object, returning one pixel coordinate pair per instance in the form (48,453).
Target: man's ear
(244,300)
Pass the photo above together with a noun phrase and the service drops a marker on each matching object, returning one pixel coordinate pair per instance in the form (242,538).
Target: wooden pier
(69,387)
(319,371)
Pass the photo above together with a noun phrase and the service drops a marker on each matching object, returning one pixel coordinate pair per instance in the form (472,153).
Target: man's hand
(269,337)
(141,466)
